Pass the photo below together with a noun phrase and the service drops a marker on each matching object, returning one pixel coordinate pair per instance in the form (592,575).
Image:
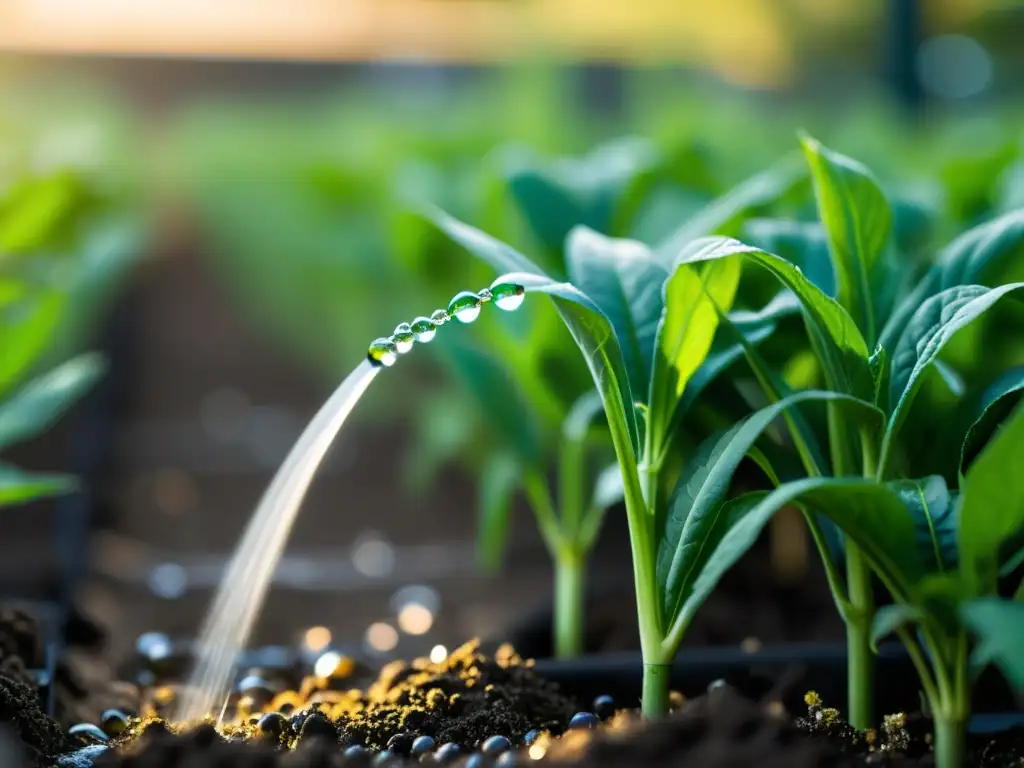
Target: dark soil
(20,713)
(21,643)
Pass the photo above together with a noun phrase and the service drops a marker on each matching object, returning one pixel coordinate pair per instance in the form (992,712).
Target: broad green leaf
(18,486)
(931,327)
(933,510)
(995,404)
(502,257)
(593,334)
(557,196)
(625,282)
(696,501)
(40,403)
(499,402)
(868,513)
(834,337)
(498,482)
(973,258)
(991,508)
(26,330)
(725,215)
(694,296)
(857,220)
(801,243)
(999,625)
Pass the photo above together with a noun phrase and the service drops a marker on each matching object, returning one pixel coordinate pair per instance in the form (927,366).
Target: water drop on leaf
(507,296)
(465,307)
(424,329)
(382,352)
(403,338)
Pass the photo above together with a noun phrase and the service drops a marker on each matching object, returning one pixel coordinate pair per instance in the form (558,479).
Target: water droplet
(424,329)
(403,338)
(440,317)
(465,307)
(485,295)
(507,296)
(382,352)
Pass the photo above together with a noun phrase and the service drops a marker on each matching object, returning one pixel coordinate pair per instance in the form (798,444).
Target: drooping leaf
(26,329)
(694,296)
(608,488)
(991,508)
(889,618)
(997,401)
(595,337)
(953,380)
(929,329)
(35,407)
(498,482)
(999,626)
(697,498)
(582,414)
(933,510)
(834,337)
(868,513)
(501,256)
(973,258)
(18,486)
(625,282)
(725,215)
(857,220)
(801,243)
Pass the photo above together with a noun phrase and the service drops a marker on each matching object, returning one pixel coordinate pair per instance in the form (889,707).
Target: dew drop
(382,352)
(403,338)
(485,295)
(465,307)
(507,296)
(424,329)
(439,317)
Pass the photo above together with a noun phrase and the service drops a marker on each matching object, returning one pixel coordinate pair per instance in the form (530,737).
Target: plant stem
(569,580)
(950,733)
(655,691)
(860,661)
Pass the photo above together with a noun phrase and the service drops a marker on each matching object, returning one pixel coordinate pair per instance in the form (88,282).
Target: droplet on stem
(423,329)
(439,317)
(465,307)
(382,352)
(403,338)
(507,296)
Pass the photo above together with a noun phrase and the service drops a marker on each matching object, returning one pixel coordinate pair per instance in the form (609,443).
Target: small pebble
(204,734)
(318,726)
(114,721)
(495,745)
(257,689)
(273,726)
(476,760)
(356,755)
(86,734)
(383,758)
(401,743)
(717,685)
(297,721)
(584,720)
(421,745)
(156,729)
(507,760)
(604,707)
(447,753)
(531,736)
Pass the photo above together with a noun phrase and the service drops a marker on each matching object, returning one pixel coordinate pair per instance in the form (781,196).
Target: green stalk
(656,690)
(951,716)
(860,661)
(950,733)
(569,578)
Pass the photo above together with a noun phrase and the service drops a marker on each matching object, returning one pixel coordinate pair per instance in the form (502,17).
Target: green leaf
(933,510)
(997,401)
(931,327)
(625,282)
(593,334)
(726,215)
(868,513)
(694,296)
(19,487)
(40,403)
(801,243)
(498,400)
(834,337)
(695,505)
(502,257)
(608,488)
(582,414)
(857,220)
(973,258)
(999,625)
(991,509)
(498,482)
(889,618)
(26,330)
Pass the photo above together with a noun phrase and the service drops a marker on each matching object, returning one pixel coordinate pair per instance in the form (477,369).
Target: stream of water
(241,592)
